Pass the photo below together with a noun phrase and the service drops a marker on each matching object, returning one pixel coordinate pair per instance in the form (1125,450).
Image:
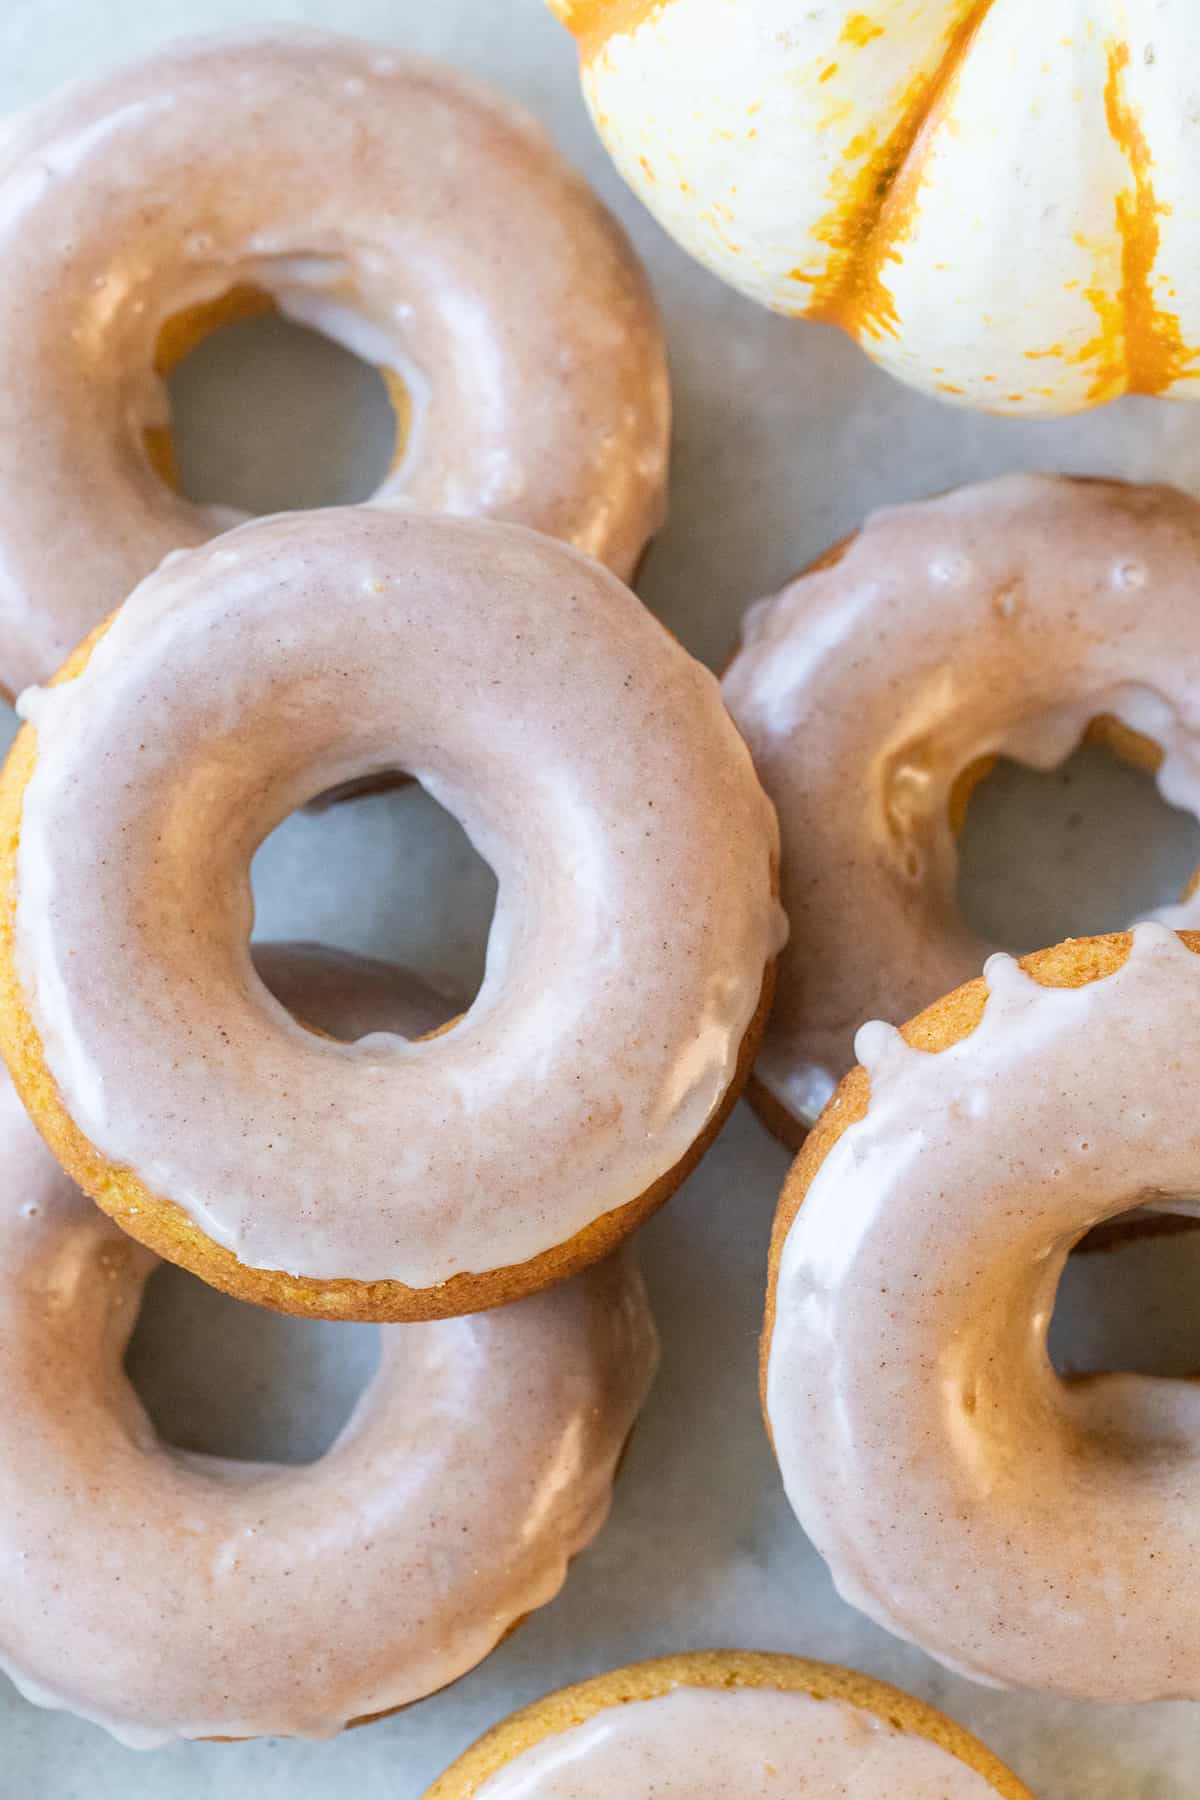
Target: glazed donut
(1025,1530)
(592,763)
(403,210)
(728,1725)
(167,1595)
(996,620)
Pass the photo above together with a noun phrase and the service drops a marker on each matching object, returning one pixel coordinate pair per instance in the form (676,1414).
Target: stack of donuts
(703,886)
(306,1131)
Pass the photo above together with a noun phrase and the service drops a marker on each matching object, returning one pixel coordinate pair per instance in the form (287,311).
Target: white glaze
(163,1594)
(590,760)
(1025,1530)
(735,1744)
(422,220)
(999,619)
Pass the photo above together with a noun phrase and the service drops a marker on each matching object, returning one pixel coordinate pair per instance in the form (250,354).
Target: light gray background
(785,435)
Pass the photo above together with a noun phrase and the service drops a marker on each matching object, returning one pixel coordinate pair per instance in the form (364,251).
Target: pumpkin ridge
(1138,338)
(877,209)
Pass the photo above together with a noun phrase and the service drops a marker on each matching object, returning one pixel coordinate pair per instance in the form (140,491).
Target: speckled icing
(406,211)
(592,764)
(998,619)
(735,1744)
(1026,1530)
(163,1594)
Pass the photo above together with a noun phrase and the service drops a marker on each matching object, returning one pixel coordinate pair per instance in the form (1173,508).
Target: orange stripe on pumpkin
(1140,346)
(593,22)
(874,208)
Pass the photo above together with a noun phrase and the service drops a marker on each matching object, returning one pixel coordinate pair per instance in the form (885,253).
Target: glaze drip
(917,1418)
(998,620)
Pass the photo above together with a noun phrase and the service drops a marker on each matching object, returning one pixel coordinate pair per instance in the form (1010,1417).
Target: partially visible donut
(728,1725)
(402,209)
(1026,1530)
(166,1595)
(1000,619)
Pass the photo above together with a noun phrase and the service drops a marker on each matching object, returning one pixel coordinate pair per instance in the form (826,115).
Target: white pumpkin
(999,199)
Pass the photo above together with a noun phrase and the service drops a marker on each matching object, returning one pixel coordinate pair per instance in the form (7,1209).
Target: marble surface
(785,435)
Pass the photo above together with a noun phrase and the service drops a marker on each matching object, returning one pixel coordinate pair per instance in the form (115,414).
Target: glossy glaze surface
(164,1594)
(998,619)
(1026,1530)
(424,222)
(735,1744)
(591,762)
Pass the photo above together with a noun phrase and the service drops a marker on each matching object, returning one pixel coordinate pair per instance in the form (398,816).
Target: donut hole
(221,1378)
(1086,847)
(269,416)
(9,724)
(1132,1307)
(392,875)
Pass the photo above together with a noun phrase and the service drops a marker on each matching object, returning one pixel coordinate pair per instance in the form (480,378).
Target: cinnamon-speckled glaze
(1027,1530)
(591,762)
(423,221)
(164,1594)
(737,1744)
(996,620)
(728,1725)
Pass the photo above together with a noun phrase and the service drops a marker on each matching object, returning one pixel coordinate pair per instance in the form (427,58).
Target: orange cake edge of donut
(1074,963)
(717,1669)
(164,1227)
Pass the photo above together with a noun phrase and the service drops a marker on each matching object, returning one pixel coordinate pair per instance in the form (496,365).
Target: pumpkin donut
(168,1595)
(1026,1530)
(1000,619)
(592,763)
(728,1725)
(425,223)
